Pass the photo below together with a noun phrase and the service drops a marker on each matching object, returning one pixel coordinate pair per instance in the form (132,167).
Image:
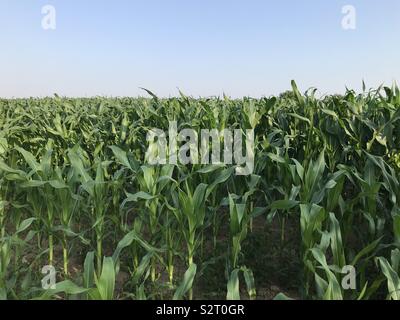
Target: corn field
(324,197)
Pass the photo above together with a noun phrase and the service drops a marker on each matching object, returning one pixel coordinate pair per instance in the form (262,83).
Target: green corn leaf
(187,282)
(233,286)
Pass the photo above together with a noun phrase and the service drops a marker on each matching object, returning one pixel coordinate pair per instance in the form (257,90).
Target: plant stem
(51,250)
(171,274)
(3,228)
(251,218)
(190,261)
(99,255)
(65,256)
(153,270)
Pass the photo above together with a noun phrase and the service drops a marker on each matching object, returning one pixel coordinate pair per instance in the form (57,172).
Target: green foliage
(74,184)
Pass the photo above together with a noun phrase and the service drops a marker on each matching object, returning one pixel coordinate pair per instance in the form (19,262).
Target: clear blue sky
(207,47)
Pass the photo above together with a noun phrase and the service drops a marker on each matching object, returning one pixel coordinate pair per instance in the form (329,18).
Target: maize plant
(78,192)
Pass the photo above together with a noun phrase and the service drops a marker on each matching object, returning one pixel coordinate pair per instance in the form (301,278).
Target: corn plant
(391,272)
(325,185)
